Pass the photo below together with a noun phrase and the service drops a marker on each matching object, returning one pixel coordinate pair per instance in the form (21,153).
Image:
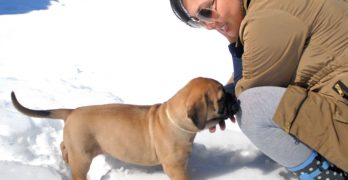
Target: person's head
(224,16)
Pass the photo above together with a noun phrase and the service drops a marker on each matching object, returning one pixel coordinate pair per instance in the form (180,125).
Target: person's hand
(222,125)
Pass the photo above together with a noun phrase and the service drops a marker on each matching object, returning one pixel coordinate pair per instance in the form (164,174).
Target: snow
(71,53)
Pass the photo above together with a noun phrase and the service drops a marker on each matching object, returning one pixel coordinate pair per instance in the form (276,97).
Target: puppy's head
(207,103)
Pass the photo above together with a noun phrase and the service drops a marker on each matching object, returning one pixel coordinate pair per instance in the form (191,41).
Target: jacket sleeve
(236,53)
(273,44)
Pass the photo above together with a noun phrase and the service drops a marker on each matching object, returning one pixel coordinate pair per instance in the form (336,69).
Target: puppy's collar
(177,125)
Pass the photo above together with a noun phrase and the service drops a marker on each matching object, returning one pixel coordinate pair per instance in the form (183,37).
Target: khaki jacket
(302,45)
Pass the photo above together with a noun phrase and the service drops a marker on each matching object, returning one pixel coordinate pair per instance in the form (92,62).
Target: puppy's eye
(221,103)
(222,98)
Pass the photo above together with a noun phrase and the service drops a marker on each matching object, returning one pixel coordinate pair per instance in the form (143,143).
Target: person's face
(229,17)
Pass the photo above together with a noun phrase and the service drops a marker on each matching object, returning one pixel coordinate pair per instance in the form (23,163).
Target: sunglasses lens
(205,15)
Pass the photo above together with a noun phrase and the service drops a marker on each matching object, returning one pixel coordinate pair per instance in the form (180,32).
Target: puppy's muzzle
(229,105)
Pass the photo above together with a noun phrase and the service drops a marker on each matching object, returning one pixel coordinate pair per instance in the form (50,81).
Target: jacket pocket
(289,106)
(341,113)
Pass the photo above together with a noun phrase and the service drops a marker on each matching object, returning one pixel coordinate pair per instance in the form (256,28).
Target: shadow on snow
(213,162)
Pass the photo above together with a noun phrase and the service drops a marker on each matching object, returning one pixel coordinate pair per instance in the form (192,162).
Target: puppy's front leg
(176,171)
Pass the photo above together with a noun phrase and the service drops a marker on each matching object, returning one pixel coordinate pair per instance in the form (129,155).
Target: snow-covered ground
(70,53)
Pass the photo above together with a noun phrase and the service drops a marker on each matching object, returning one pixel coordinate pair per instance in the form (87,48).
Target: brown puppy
(145,135)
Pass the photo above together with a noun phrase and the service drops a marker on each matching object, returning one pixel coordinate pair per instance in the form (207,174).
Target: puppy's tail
(53,113)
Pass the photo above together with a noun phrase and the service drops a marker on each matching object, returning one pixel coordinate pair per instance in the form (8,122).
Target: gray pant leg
(258,106)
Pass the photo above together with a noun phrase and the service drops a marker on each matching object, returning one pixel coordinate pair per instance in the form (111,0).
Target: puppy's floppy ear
(197,112)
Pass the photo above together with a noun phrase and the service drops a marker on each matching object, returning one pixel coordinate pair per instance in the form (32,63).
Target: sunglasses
(205,15)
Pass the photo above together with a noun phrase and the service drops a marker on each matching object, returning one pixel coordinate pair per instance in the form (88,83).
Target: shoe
(317,167)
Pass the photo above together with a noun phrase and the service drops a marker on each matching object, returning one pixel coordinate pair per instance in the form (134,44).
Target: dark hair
(180,12)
